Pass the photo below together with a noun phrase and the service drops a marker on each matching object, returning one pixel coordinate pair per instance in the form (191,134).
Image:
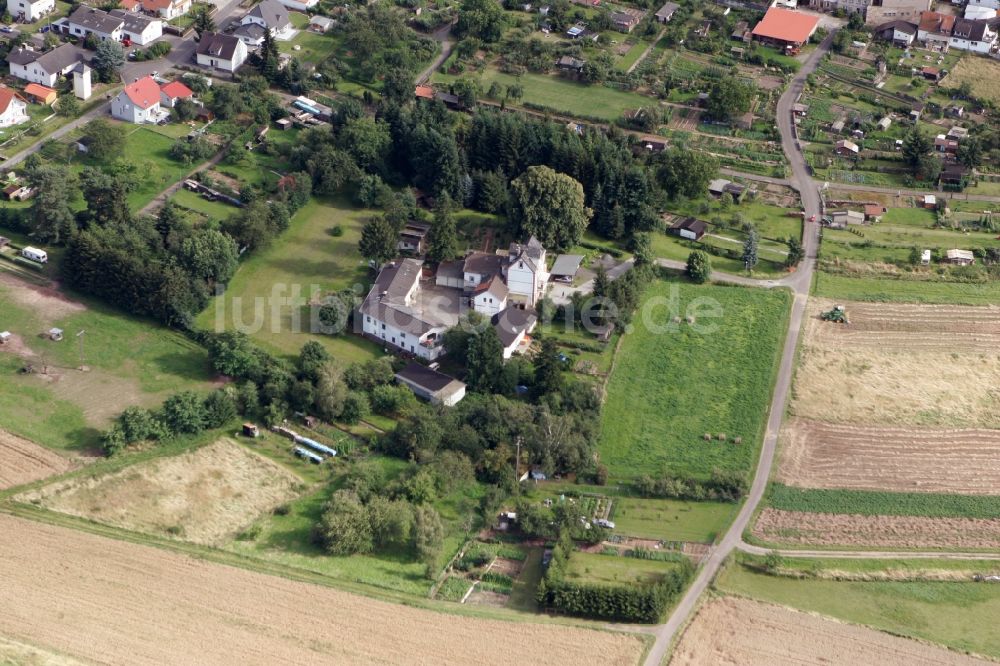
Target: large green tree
(550,206)
(210,255)
(685,173)
(699,268)
(378,241)
(105,141)
(51,216)
(484,19)
(729,97)
(108,60)
(484,360)
(442,239)
(916,147)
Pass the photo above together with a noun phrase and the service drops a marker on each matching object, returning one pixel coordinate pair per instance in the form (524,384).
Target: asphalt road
(799,282)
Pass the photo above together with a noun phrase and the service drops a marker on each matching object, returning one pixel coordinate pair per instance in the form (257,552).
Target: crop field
(108,601)
(22,461)
(205,496)
(731,630)
(983,74)
(889,289)
(851,530)
(876,503)
(671,520)
(674,381)
(952,614)
(615,569)
(894,366)
(827,455)
(269,295)
(15,653)
(129,361)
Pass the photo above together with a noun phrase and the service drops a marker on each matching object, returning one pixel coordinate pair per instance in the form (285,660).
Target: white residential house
(13,108)
(173,92)
(513,325)
(975,36)
(270,15)
(90,21)
(490,297)
(526,272)
(43,68)
(167,9)
(139,102)
(30,11)
(221,51)
(137,28)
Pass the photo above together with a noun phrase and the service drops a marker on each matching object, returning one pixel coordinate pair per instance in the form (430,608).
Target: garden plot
(828,455)
(731,630)
(802,528)
(22,461)
(205,496)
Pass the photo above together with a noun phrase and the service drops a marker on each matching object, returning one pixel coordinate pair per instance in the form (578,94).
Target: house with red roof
(166,9)
(40,94)
(785,28)
(13,108)
(173,92)
(139,102)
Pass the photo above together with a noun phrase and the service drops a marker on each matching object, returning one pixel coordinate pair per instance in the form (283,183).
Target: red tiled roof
(424,92)
(7,95)
(38,91)
(176,90)
(935,22)
(786,25)
(144,93)
(131,5)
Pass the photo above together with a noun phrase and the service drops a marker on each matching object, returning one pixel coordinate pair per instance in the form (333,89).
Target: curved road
(799,282)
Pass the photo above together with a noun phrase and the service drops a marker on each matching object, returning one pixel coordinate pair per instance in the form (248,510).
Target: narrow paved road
(443,35)
(799,282)
(871,554)
(97,112)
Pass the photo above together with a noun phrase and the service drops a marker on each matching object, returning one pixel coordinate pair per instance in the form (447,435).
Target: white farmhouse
(43,68)
(526,272)
(221,51)
(13,108)
(30,11)
(139,102)
(975,36)
(167,9)
(490,297)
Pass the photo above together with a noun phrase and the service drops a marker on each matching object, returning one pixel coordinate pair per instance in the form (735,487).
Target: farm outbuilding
(960,257)
(431,385)
(689,228)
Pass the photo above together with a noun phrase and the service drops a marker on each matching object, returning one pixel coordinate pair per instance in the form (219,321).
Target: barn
(689,228)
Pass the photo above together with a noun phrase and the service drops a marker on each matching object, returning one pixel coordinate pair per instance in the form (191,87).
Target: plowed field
(22,461)
(108,601)
(739,631)
(826,455)
(873,532)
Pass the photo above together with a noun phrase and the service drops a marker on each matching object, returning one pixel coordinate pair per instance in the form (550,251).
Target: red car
(812,218)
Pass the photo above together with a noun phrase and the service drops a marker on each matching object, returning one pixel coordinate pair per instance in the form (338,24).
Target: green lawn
(305,259)
(614,569)
(522,596)
(213,210)
(130,361)
(562,95)
(632,55)
(671,520)
(828,285)
(958,615)
(674,382)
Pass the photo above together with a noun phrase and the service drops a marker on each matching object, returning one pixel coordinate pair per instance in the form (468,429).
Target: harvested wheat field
(116,602)
(730,630)
(815,454)
(22,461)
(206,496)
(901,365)
(14,653)
(802,528)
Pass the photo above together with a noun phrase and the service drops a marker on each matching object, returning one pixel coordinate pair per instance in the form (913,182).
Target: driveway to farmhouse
(800,282)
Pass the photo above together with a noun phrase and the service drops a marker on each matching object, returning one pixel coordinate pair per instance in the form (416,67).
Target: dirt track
(120,603)
(873,532)
(739,631)
(827,455)
(22,461)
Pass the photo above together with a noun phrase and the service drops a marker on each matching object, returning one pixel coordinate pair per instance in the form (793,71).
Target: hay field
(802,528)
(206,496)
(731,630)
(22,461)
(108,601)
(901,365)
(827,455)
(982,73)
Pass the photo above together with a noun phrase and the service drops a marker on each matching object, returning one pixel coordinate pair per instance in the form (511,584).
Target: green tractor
(837,315)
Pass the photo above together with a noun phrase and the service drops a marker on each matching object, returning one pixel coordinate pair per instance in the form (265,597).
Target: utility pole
(79,336)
